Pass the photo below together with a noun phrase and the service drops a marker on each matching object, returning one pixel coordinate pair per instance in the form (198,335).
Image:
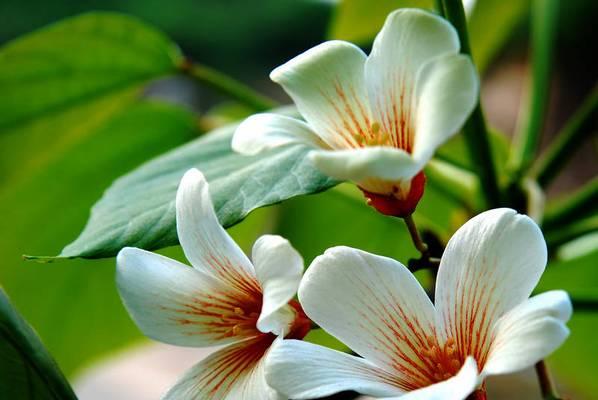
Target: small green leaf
(138,210)
(359,21)
(27,370)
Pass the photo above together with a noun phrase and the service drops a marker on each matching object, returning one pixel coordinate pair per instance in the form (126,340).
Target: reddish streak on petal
(302,324)
(396,207)
(235,363)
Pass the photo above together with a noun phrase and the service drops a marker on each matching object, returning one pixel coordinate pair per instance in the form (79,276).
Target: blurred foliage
(491,23)
(74,117)
(27,370)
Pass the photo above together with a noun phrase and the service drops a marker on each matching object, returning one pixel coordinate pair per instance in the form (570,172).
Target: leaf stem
(547,386)
(544,23)
(563,147)
(415,237)
(580,204)
(227,85)
(475,129)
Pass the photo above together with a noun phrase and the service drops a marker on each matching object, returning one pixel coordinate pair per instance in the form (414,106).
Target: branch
(227,85)
(546,384)
(475,129)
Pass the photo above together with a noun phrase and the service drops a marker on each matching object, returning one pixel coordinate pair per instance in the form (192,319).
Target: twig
(547,386)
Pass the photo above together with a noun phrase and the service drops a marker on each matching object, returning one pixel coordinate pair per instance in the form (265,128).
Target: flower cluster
(375,121)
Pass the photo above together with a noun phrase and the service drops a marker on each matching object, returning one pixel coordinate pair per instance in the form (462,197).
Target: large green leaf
(64,81)
(74,306)
(27,370)
(138,210)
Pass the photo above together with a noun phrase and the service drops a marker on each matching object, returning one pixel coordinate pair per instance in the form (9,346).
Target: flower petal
(171,302)
(385,163)
(529,333)
(408,40)
(456,388)
(206,244)
(279,268)
(375,306)
(490,265)
(446,91)
(303,370)
(233,373)
(327,85)
(261,132)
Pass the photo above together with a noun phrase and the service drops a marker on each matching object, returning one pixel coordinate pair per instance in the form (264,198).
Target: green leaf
(359,21)
(62,82)
(138,209)
(27,370)
(75,306)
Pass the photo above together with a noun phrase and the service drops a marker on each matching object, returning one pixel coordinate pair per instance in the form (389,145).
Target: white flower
(375,120)
(482,323)
(222,299)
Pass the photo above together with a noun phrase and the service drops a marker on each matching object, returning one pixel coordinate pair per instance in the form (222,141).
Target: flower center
(443,361)
(374,137)
(242,321)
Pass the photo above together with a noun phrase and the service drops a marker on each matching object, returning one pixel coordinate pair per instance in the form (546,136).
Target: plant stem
(416,238)
(227,85)
(546,384)
(580,204)
(475,129)
(563,147)
(439,7)
(544,22)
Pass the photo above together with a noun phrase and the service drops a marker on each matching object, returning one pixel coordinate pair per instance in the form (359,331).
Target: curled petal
(529,333)
(356,165)
(206,244)
(262,132)
(459,387)
(279,268)
(303,370)
(446,91)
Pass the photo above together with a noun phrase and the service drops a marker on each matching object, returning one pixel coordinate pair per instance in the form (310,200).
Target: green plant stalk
(547,386)
(580,204)
(439,7)
(475,129)
(546,168)
(228,86)
(544,24)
